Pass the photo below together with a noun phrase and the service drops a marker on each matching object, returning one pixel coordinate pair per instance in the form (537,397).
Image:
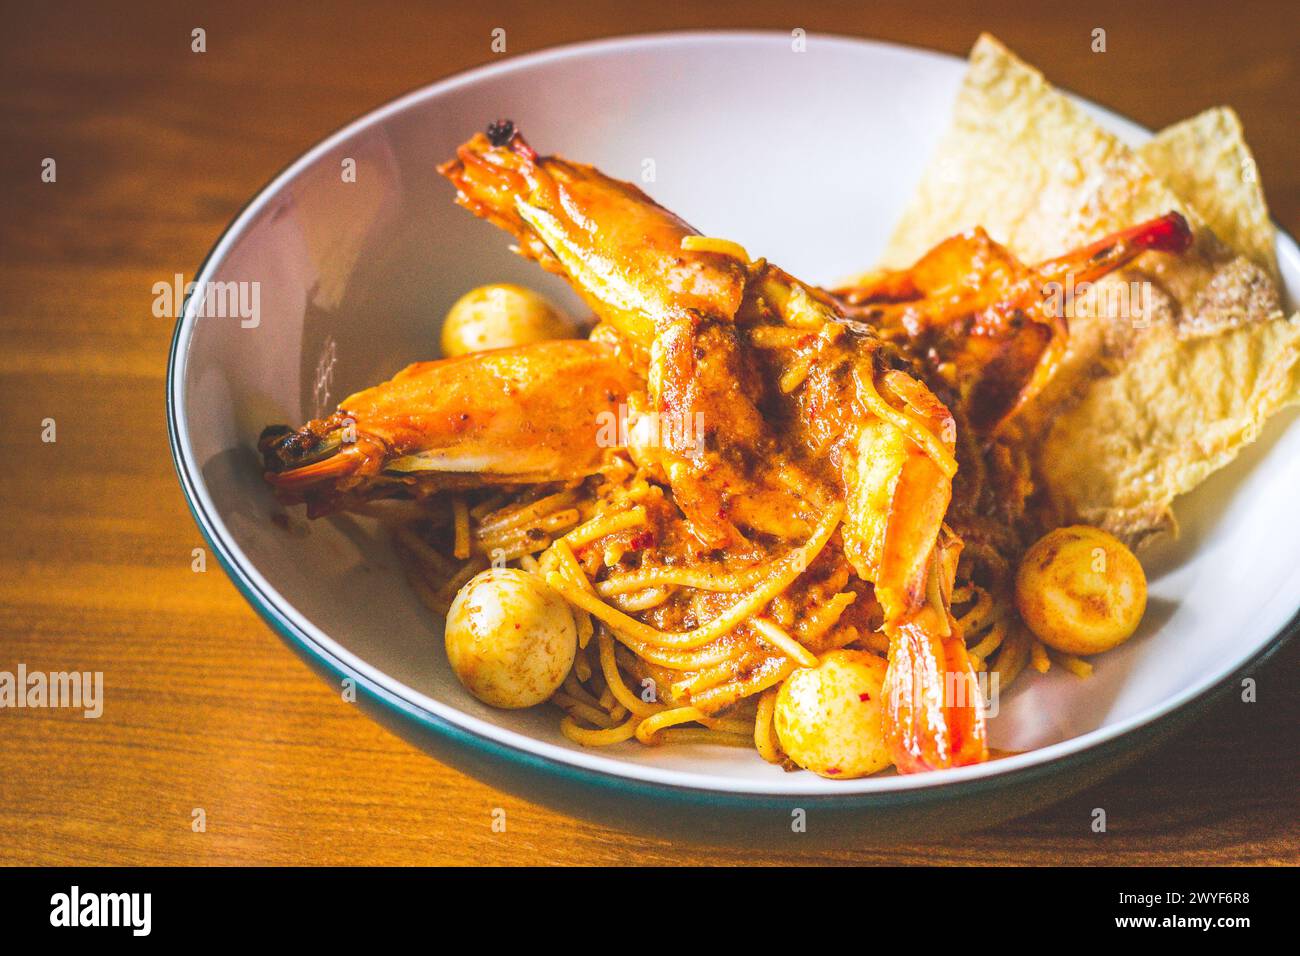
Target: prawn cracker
(1158,389)
(1206,161)
(1164,422)
(1027,164)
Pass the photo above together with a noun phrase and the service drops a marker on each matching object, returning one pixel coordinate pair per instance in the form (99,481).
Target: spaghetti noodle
(721,675)
(639,674)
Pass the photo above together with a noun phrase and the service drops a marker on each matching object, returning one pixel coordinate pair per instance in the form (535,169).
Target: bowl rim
(518,747)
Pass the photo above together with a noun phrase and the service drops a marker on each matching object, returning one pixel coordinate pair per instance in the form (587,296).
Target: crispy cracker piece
(1206,161)
(1179,410)
(1030,166)
(1174,363)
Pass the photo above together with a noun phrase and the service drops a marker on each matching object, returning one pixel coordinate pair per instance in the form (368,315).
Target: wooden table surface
(157,148)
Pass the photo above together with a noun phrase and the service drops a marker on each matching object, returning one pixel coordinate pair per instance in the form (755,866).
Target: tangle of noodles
(750,622)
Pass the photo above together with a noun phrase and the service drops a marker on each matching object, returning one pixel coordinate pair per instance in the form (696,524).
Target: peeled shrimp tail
(934,708)
(933,705)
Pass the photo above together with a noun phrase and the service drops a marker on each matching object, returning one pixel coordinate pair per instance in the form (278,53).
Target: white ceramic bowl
(805,158)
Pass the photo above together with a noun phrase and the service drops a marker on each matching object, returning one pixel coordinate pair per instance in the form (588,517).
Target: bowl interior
(805,158)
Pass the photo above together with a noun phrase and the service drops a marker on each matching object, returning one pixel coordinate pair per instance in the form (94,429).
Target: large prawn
(990,327)
(511,416)
(790,390)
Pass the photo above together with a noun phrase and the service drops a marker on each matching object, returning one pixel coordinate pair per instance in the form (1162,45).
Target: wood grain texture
(157,149)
